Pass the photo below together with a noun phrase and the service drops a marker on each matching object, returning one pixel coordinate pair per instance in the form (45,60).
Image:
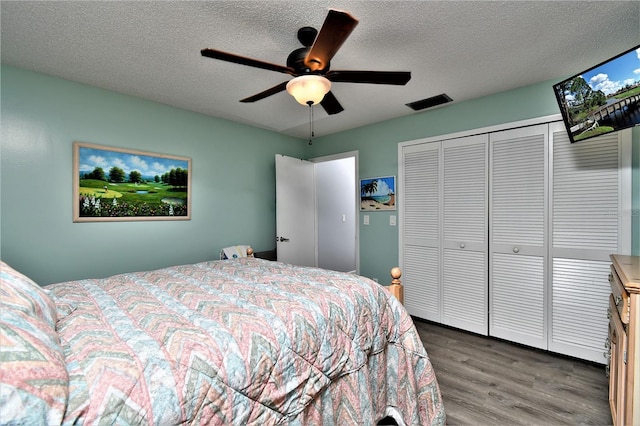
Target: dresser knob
(461,245)
(516,249)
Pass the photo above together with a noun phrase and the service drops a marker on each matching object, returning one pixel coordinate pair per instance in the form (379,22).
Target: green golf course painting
(117,184)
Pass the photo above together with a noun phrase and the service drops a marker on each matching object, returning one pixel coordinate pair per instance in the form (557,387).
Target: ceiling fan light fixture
(309,89)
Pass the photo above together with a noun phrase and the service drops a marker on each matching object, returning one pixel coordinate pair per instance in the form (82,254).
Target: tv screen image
(602,99)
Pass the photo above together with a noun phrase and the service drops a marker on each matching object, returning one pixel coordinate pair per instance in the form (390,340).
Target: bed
(225,342)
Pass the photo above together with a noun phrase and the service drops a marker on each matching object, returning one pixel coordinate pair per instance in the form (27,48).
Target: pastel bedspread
(241,342)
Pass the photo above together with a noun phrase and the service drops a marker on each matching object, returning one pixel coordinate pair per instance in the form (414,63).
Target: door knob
(281,239)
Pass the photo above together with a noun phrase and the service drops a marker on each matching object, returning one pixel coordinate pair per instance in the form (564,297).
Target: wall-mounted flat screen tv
(602,99)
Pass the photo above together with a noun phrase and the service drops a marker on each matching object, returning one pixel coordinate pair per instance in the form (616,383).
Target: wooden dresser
(623,343)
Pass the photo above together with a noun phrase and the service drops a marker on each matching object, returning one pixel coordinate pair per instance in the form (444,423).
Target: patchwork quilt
(237,342)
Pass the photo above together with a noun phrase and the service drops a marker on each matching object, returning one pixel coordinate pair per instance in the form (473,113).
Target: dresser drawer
(619,295)
(617,355)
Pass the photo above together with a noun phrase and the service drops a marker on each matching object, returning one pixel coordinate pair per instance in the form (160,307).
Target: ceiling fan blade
(231,57)
(399,78)
(336,28)
(331,104)
(272,91)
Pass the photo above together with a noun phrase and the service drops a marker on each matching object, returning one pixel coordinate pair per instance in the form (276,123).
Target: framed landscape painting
(378,194)
(117,184)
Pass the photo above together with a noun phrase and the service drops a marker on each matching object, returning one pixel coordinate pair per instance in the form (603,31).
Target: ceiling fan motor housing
(296,58)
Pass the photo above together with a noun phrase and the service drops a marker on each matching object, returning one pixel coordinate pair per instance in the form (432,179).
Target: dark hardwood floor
(486,381)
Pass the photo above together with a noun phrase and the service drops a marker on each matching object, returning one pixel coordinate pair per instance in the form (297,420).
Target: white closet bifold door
(420,226)
(585,220)
(518,199)
(507,231)
(464,233)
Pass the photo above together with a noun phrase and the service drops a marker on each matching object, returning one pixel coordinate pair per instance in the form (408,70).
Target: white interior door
(295,211)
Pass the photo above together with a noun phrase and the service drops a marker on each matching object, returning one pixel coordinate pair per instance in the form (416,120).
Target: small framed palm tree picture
(378,193)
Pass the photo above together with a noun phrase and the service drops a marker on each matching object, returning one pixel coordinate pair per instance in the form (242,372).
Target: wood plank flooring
(487,381)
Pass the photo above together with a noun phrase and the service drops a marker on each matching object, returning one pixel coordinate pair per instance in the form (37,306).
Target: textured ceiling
(465,49)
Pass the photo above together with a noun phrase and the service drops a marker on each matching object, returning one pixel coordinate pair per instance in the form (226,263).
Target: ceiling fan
(310,65)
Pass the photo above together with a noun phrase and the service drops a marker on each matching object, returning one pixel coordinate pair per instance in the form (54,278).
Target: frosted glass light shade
(309,88)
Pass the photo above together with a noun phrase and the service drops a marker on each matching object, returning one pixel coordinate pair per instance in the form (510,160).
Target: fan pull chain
(311,134)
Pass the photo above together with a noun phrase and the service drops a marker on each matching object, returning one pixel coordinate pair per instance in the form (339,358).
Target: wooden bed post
(396,285)
(249,251)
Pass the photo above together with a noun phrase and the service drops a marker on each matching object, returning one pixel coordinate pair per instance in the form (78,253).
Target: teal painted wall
(378,153)
(233,180)
(233,175)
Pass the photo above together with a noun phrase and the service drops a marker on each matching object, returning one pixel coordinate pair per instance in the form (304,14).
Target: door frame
(340,156)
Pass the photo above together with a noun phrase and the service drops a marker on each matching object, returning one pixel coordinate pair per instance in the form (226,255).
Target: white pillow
(234,252)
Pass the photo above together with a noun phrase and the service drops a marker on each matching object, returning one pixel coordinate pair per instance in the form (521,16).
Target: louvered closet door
(464,233)
(585,185)
(518,198)
(419,178)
